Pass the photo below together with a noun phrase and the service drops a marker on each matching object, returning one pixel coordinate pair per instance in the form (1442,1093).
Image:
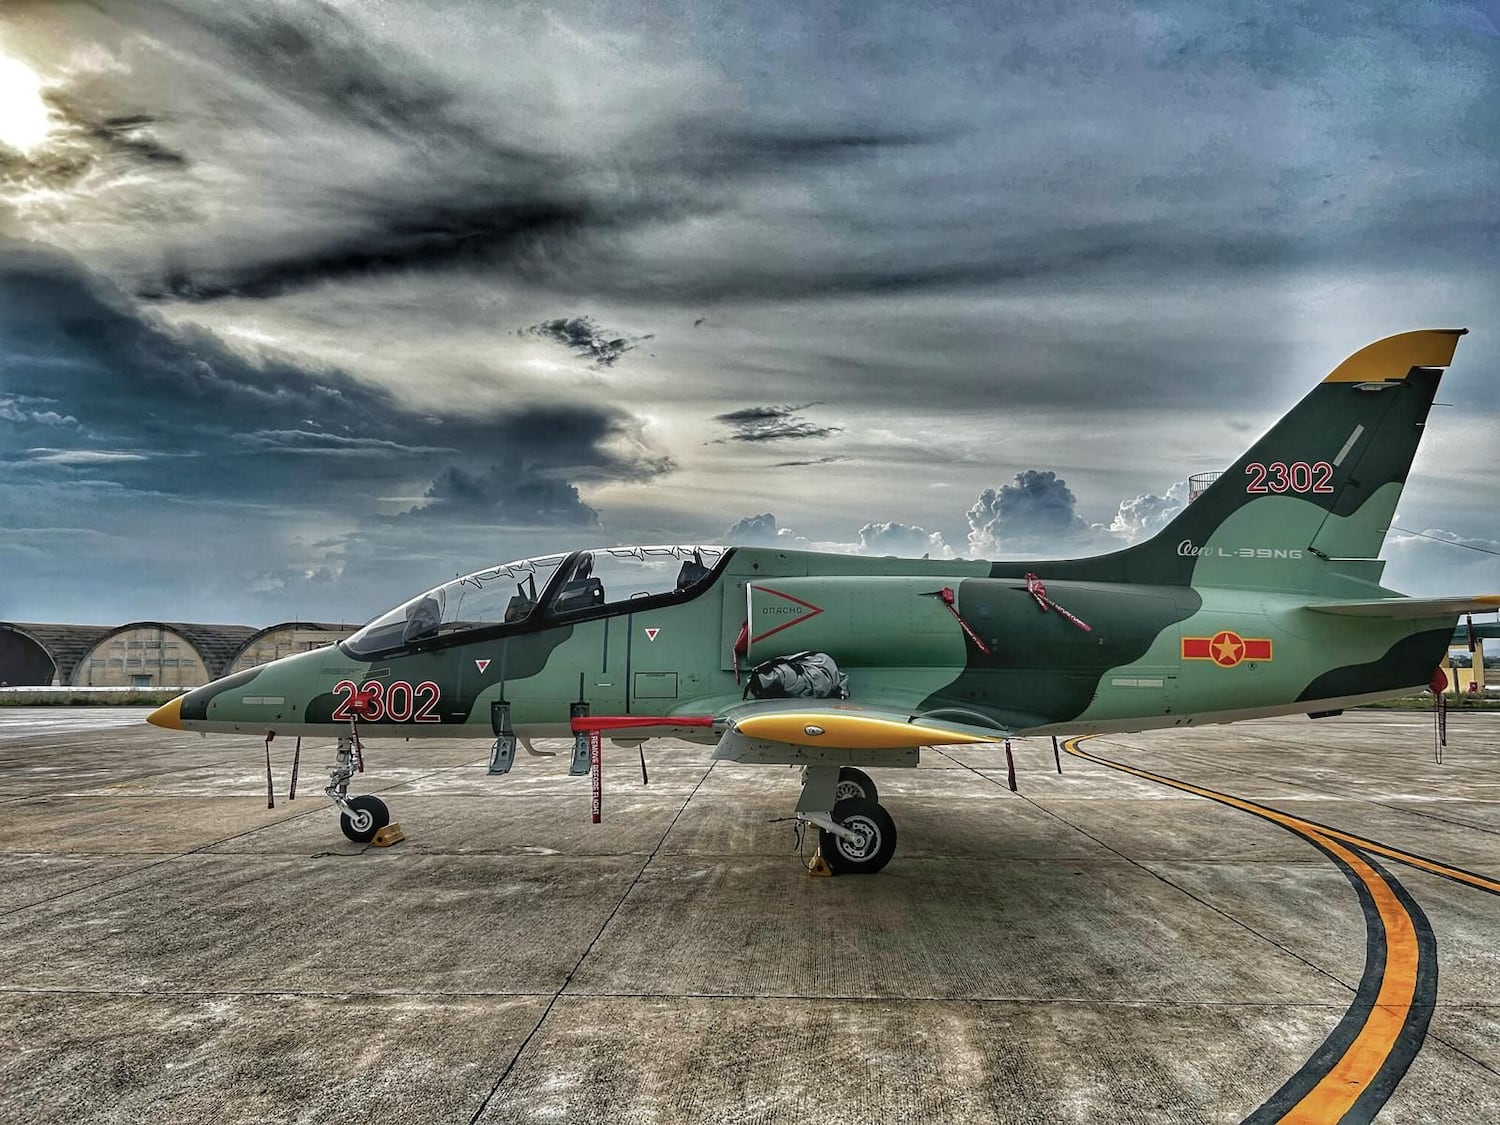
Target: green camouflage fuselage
(902,650)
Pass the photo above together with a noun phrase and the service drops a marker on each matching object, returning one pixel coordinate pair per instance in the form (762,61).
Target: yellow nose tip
(168,715)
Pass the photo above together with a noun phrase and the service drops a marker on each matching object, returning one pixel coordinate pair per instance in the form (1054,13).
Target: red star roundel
(1226,648)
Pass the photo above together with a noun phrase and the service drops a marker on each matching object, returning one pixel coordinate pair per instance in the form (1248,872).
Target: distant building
(42,655)
(276,641)
(151,654)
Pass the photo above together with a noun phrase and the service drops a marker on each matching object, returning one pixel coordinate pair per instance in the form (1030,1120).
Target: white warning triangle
(651,633)
(481,665)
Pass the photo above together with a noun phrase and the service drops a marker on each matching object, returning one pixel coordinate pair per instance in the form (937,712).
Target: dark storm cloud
(712,150)
(84,143)
(143,393)
(755,415)
(133,135)
(317,443)
(861,153)
(464,191)
(70,337)
(538,218)
(524,478)
(580,335)
(313,55)
(392,236)
(773,423)
(507,496)
(807,464)
(455,191)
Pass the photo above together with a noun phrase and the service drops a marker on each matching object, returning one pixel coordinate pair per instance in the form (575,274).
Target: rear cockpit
(532,592)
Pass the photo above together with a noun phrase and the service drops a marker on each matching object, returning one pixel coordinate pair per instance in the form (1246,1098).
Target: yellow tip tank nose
(168,715)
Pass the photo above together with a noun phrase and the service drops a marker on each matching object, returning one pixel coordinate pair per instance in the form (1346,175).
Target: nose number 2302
(395,702)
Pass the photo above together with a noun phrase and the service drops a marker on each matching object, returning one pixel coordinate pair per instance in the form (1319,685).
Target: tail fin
(1307,508)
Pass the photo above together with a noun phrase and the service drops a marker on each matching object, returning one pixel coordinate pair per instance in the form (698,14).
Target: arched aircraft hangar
(275,641)
(152,654)
(160,654)
(33,655)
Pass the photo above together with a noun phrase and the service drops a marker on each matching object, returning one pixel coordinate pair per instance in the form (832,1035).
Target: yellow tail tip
(1394,356)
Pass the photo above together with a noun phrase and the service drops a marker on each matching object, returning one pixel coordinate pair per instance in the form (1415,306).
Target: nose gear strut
(359,817)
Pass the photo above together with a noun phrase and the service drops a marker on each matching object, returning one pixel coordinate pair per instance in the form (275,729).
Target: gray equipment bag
(803,675)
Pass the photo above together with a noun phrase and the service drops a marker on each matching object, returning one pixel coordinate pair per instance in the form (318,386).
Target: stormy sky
(306,306)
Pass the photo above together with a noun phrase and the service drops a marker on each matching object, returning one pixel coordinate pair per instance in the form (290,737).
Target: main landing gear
(359,817)
(855,834)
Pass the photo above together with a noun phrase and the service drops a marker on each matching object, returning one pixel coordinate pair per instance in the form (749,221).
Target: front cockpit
(548,589)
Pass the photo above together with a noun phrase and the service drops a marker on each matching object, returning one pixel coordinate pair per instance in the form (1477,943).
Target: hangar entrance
(23,662)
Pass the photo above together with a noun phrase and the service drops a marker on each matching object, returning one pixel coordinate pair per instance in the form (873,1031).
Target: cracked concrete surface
(1096,948)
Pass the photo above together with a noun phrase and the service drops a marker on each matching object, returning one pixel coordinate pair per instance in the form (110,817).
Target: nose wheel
(363,817)
(359,817)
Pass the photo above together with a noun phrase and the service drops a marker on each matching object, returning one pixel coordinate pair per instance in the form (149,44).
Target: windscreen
(506,594)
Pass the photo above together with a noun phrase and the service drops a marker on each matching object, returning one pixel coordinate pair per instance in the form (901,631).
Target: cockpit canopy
(548,588)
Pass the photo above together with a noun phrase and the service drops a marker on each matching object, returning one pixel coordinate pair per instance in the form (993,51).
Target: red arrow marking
(786,624)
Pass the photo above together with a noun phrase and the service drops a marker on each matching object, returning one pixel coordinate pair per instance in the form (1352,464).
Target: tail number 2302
(395,702)
(1299,476)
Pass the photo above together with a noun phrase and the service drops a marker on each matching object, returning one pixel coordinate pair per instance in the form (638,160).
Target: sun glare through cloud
(25,121)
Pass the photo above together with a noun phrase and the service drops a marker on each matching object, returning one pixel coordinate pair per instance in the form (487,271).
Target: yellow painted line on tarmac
(1422,863)
(1346,1068)
(1412,859)
(1362,1061)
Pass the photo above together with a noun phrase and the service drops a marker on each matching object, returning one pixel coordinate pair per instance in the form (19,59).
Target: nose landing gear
(359,817)
(364,817)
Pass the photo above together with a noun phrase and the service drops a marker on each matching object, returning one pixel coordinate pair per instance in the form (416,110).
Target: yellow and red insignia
(1226,648)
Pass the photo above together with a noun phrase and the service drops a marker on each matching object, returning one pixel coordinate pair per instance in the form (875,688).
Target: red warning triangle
(651,633)
(812,611)
(481,665)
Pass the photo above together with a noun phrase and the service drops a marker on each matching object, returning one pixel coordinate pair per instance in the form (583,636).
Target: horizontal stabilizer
(1407,609)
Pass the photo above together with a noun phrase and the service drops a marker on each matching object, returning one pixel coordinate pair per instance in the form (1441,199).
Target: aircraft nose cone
(168,715)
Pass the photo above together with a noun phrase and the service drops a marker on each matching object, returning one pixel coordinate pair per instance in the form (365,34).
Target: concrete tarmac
(1101,946)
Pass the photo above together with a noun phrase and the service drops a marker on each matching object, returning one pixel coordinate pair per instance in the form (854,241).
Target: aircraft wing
(1405,609)
(802,728)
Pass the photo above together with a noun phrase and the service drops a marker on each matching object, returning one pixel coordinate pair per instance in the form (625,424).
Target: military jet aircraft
(1262,597)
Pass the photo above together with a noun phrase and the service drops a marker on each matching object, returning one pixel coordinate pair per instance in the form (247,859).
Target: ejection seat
(580,593)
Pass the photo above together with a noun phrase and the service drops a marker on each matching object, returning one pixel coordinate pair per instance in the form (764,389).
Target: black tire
(855,783)
(846,857)
(370,816)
